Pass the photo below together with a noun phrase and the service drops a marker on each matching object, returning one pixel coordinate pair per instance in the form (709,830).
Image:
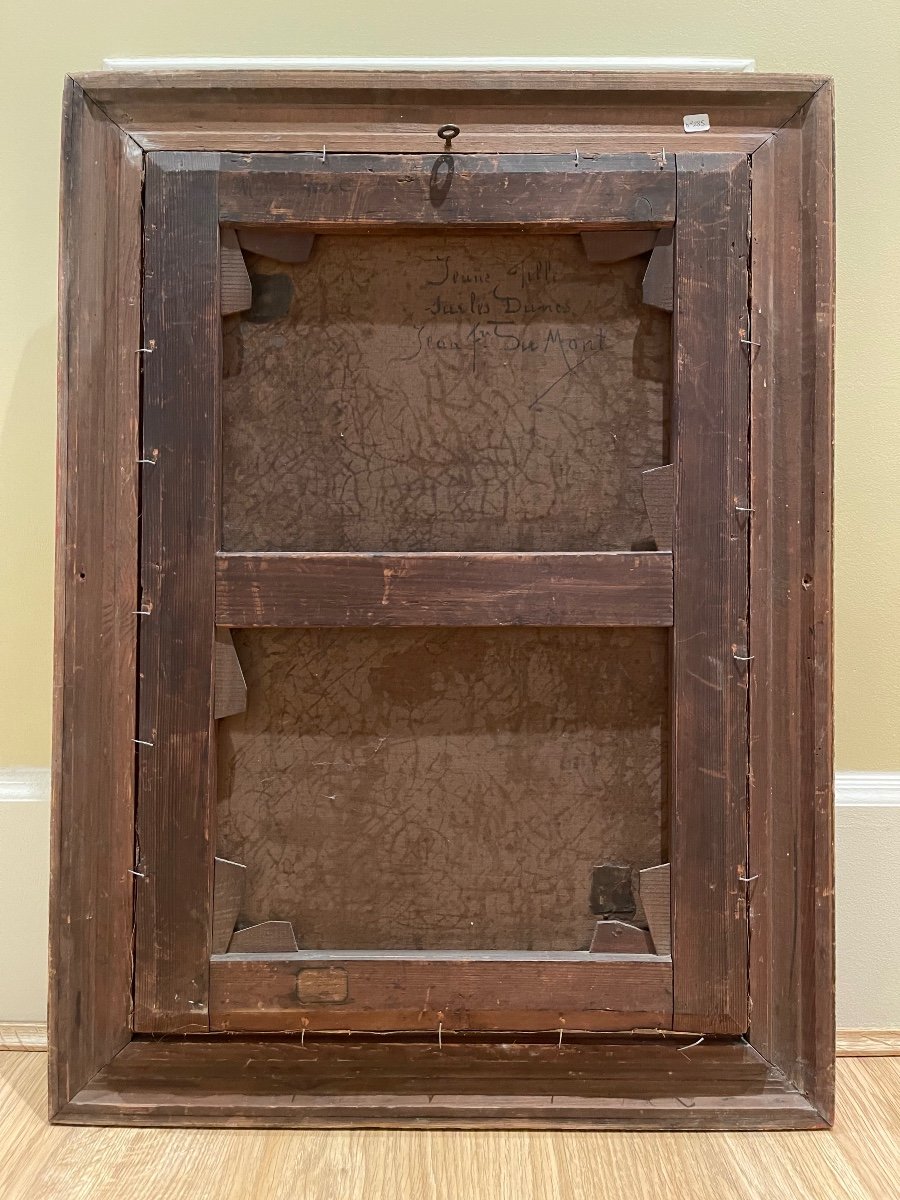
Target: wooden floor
(859,1158)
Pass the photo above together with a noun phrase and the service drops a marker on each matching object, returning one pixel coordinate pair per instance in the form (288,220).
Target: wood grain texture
(92,837)
(659,500)
(735,90)
(229,883)
(322,985)
(659,278)
(489,133)
(500,392)
(258,590)
(709,687)
(367,191)
(234,282)
(587,1083)
(178,544)
(229,684)
(858,1159)
(31,1037)
(656,900)
(268,937)
(397,992)
(791,843)
(868,1043)
(447,789)
(791,811)
(400,110)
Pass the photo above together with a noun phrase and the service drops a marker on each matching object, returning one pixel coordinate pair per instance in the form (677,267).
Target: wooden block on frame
(612,245)
(230,685)
(659,501)
(618,937)
(284,245)
(268,937)
(656,898)
(234,279)
(659,278)
(229,879)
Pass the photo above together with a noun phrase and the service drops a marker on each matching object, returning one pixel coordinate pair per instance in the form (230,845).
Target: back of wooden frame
(789,886)
(185,197)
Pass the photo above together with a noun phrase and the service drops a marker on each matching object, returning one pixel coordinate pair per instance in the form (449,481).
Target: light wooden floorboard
(858,1160)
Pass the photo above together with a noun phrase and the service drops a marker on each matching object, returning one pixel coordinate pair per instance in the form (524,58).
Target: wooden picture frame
(735,1029)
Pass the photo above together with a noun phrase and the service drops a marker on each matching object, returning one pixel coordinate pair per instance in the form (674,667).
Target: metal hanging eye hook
(448,133)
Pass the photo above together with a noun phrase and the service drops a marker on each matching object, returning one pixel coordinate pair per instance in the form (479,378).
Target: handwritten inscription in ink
(447,392)
(508,308)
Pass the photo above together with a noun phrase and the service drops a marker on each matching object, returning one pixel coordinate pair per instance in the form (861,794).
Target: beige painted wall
(858,46)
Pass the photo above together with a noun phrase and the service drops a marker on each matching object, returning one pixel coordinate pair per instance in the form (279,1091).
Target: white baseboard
(186,63)
(868,788)
(868,1043)
(24,889)
(867,821)
(27,1035)
(19,784)
(850,787)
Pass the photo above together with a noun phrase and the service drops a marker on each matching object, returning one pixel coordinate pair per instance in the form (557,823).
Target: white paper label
(696,123)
